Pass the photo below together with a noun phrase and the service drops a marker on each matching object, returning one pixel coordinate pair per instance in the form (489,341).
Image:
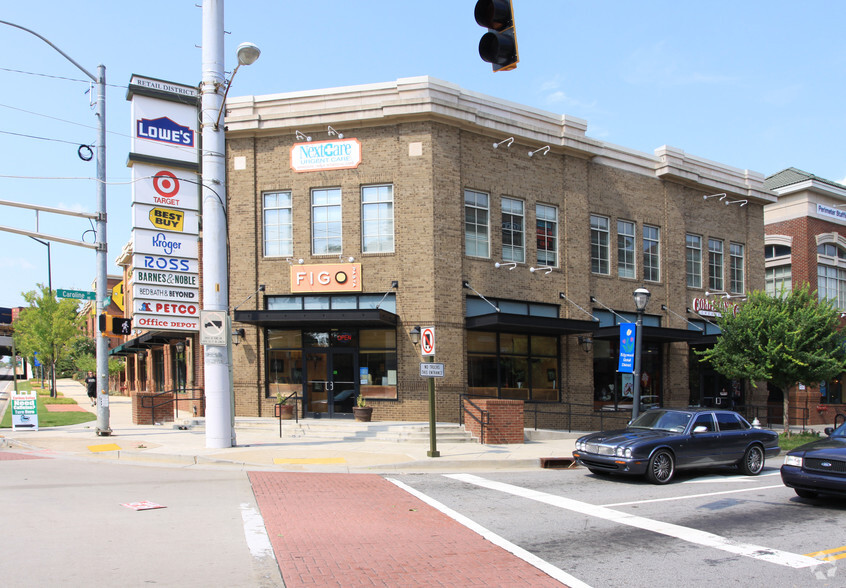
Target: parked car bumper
(611,464)
(795,477)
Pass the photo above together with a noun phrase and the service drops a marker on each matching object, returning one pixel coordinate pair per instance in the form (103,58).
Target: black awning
(657,335)
(145,341)
(520,323)
(317,319)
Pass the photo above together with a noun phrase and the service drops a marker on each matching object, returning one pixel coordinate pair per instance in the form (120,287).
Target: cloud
(553,96)
(659,64)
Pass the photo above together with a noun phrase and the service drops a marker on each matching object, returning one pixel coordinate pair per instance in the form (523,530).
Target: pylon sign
(427,341)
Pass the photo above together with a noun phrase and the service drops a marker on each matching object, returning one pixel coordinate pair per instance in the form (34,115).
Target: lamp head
(248,53)
(641,298)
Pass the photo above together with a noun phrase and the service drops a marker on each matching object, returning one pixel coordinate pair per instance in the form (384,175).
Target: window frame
(626,248)
(485,224)
(690,253)
(281,227)
(737,270)
(716,261)
(652,260)
(598,261)
(379,220)
(515,250)
(327,237)
(546,238)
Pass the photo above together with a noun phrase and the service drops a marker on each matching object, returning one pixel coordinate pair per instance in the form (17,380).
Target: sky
(756,85)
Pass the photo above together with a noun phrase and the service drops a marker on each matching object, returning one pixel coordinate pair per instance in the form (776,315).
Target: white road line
(724,479)
(692,496)
(526,556)
(255,533)
(783,558)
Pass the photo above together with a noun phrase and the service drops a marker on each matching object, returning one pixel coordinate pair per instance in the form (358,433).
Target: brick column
(505,420)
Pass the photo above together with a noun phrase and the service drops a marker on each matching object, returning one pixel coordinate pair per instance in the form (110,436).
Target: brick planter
(143,415)
(505,420)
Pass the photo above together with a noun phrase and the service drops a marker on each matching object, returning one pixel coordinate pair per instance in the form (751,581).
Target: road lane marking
(723,479)
(841,551)
(257,540)
(704,495)
(497,540)
(783,558)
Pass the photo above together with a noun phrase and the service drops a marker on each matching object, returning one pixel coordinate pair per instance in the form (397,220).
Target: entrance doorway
(331,384)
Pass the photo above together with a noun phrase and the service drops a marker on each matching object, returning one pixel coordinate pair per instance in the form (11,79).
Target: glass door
(331,385)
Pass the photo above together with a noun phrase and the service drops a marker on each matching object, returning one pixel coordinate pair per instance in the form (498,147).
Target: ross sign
(213,327)
(427,341)
(431,370)
(325,155)
(332,277)
(628,335)
(165,293)
(165,323)
(165,263)
(164,243)
(24,411)
(76,294)
(166,278)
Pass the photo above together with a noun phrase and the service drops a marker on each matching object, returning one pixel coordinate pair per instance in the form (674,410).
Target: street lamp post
(101,244)
(50,289)
(641,299)
(220,432)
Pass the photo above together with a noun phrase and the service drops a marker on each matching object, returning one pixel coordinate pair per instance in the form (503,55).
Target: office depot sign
(332,277)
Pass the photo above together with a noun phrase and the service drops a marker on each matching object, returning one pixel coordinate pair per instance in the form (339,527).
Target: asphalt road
(714,527)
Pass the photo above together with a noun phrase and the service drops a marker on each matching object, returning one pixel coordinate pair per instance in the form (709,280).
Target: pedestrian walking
(91,383)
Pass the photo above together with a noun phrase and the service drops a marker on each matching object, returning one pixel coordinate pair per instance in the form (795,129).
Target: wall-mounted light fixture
(237,335)
(300,261)
(742,202)
(336,133)
(349,259)
(415,335)
(301,136)
(545,269)
(709,196)
(586,343)
(720,293)
(510,264)
(507,142)
(545,150)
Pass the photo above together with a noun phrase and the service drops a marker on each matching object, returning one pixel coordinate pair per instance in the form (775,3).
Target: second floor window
(476,240)
(736,279)
(513,231)
(377,219)
(326,221)
(278,224)
(715,265)
(625,249)
(599,245)
(693,257)
(651,253)
(547,235)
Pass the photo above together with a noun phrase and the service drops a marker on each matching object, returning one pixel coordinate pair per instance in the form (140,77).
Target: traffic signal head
(499,45)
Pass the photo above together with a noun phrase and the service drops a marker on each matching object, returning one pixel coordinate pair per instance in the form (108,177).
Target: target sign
(427,340)
(166,184)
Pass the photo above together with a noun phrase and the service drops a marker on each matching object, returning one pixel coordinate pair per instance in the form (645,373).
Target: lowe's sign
(165,130)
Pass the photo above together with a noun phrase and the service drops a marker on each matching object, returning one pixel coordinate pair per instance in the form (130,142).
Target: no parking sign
(427,341)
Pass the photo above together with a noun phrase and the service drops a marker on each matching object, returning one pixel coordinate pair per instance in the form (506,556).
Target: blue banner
(627,347)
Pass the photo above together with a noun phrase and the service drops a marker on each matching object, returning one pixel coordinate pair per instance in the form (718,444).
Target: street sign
(427,341)
(76,294)
(431,370)
(213,325)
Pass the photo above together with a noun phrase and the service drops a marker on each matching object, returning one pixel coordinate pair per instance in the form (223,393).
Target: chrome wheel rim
(755,460)
(662,467)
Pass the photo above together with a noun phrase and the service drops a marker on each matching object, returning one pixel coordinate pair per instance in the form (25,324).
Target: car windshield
(662,420)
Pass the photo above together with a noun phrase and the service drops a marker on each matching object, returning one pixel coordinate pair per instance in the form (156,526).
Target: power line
(41,138)
(32,73)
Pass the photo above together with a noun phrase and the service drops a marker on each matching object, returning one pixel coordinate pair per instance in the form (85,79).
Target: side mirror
(700,429)
(828,431)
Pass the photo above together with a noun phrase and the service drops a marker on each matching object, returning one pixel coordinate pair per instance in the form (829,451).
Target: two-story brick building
(367,211)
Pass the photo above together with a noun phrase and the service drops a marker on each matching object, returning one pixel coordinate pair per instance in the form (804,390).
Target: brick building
(366,211)
(805,243)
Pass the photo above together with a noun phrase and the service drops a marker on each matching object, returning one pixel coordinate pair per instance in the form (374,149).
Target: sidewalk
(259,445)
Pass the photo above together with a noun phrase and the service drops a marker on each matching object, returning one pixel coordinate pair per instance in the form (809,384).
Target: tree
(48,326)
(783,339)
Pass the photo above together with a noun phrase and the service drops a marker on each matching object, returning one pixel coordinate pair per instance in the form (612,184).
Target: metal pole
(636,372)
(433,445)
(219,430)
(102,259)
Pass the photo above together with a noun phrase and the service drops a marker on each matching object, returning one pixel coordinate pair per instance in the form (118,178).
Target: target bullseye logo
(166,184)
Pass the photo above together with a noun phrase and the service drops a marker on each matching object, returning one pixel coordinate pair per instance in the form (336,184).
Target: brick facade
(431,141)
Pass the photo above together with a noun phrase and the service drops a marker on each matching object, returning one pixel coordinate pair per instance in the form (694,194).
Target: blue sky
(756,85)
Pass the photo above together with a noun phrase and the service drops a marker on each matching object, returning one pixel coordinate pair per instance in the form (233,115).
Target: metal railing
(483,419)
(158,400)
(296,410)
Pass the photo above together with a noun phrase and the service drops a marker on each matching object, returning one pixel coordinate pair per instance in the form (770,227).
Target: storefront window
(509,365)
(615,391)
(831,392)
(377,363)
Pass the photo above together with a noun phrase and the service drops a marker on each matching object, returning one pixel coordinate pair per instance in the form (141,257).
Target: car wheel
(805,493)
(661,467)
(753,461)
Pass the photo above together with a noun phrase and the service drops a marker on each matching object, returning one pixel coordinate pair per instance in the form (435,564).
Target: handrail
(174,399)
(296,409)
(484,418)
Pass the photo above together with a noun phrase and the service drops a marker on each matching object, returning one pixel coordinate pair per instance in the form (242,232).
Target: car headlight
(793,460)
(623,452)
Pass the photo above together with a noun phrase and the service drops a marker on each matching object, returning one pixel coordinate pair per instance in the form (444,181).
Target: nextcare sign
(325,155)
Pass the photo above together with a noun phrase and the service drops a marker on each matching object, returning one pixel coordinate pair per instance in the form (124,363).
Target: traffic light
(499,45)
(121,326)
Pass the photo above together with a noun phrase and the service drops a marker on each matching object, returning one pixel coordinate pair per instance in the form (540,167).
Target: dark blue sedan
(818,467)
(662,440)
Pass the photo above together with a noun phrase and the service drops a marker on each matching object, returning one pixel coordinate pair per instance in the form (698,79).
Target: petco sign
(325,155)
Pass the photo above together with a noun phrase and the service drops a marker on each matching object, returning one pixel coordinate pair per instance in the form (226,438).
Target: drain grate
(557,463)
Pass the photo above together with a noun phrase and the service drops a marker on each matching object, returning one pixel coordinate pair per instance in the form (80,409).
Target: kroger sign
(165,130)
